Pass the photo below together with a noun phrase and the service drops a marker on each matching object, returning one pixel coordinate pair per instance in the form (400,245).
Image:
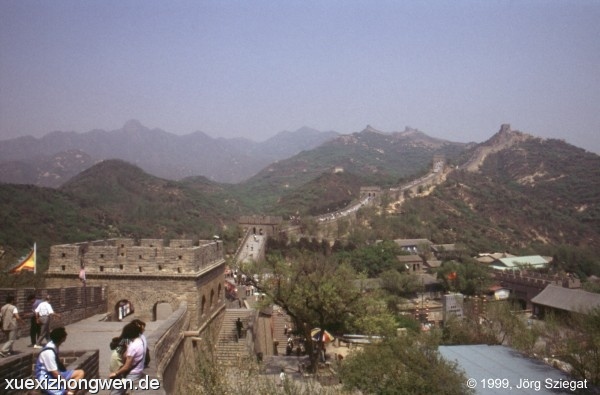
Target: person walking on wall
(10,325)
(34,327)
(44,313)
(49,366)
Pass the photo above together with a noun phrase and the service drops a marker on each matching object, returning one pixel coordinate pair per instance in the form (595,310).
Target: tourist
(134,360)
(142,325)
(49,367)
(44,313)
(10,325)
(239,326)
(34,327)
(119,344)
(282,377)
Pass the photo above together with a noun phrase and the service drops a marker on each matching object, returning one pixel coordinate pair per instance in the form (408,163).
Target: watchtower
(150,277)
(265,225)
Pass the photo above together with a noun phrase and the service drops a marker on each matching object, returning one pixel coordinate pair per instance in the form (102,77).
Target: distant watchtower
(265,225)
(149,276)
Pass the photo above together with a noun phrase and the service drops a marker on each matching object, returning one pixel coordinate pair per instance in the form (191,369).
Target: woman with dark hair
(119,344)
(134,357)
(142,325)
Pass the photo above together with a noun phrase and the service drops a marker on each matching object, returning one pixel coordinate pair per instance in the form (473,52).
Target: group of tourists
(129,351)
(40,317)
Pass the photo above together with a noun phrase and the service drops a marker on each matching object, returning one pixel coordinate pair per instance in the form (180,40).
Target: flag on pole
(82,275)
(27,263)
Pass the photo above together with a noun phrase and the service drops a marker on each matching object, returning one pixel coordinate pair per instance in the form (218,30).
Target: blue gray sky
(454,69)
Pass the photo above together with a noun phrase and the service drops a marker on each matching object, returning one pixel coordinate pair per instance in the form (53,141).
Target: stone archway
(122,309)
(144,302)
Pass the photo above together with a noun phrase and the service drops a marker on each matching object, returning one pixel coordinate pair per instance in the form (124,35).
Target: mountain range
(54,158)
(514,192)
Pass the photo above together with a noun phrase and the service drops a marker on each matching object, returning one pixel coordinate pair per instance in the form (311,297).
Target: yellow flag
(28,263)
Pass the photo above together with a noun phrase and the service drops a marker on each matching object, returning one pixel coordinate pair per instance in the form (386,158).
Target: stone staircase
(278,321)
(229,350)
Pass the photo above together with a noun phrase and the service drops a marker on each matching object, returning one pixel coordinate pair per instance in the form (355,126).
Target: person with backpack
(9,315)
(48,365)
(135,355)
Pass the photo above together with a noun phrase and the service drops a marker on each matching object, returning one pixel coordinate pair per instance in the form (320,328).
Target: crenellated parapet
(525,284)
(266,225)
(535,279)
(128,257)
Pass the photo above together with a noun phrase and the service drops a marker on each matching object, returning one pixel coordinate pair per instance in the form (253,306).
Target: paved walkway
(89,334)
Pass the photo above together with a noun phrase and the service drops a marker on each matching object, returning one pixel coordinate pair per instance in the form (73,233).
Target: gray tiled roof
(574,300)
(482,362)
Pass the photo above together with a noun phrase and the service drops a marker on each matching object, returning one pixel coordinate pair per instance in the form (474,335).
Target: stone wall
(72,303)
(525,285)
(200,341)
(123,256)
(146,274)
(261,224)
(20,366)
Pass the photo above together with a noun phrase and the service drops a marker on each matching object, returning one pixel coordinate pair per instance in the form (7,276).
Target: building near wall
(520,262)
(453,305)
(560,300)
(524,285)
(149,276)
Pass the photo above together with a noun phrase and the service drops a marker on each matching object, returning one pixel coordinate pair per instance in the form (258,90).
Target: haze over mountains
(513,192)
(53,159)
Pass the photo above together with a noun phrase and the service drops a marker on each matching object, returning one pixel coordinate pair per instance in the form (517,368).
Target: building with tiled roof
(564,300)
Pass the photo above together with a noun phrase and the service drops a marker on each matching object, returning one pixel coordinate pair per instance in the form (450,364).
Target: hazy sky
(453,69)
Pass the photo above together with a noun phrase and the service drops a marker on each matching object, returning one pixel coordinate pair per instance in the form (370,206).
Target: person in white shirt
(44,313)
(134,359)
(48,365)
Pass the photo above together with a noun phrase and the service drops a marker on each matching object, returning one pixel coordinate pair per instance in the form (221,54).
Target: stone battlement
(128,257)
(535,279)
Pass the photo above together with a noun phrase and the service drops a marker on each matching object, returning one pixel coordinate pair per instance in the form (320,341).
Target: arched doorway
(123,308)
(161,311)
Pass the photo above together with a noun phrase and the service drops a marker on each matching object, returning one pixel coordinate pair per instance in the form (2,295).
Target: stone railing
(72,303)
(163,343)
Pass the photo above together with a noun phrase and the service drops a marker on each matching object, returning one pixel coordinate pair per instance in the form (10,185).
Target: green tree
(375,259)
(577,343)
(401,365)
(400,284)
(316,292)
(468,277)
